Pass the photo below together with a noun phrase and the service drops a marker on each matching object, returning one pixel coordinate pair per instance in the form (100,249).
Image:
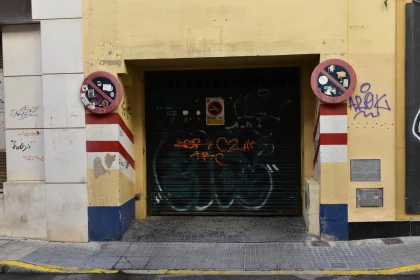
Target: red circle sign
(101,92)
(215,108)
(333,81)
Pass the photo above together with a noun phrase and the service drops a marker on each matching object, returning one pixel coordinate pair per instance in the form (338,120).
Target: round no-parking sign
(333,81)
(101,92)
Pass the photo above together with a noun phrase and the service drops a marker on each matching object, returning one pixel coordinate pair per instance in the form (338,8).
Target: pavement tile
(253,264)
(390,264)
(113,249)
(269,264)
(105,262)
(321,266)
(287,266)
(338,265)
(356,265)
(4,241)
(155,264)
(171,263)
(305,266)
(190,255)
(185,265)
(407,261)
(236,264)
(220,265)
(373,265)
(121,266)
(19,249)
(204,265)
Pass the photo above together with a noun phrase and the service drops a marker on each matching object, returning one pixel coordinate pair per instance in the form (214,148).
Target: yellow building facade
(129,38)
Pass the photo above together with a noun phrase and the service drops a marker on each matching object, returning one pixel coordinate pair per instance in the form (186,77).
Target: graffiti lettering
(368,104)
(31,158)
(20,147)
(29,133)
(207,155)
(223,145)
(192,144)
(24,113)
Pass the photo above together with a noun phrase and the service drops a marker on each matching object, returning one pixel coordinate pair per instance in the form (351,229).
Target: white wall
(2,117)
(24,192)
(23,102)
(64,118)
(45,196)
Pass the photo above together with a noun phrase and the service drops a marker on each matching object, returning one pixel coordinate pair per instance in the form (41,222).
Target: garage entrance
(224,142)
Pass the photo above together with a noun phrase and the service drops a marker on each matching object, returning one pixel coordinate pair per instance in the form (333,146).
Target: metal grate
(249,165)
(320,243)
(392,241)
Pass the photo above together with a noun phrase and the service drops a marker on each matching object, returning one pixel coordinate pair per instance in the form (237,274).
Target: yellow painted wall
(307,108)
(371,51)
(363,32)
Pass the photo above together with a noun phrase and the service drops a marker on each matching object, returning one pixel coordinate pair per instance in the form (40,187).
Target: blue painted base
(109,223)
(334,222)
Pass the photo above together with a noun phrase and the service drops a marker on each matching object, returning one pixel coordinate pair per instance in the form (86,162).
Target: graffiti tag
(222,144)
(367,103)
(20,147)
(29,133)
(31,158)
(24,113)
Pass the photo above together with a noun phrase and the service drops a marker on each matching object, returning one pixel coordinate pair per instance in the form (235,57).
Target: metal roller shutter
(249,165)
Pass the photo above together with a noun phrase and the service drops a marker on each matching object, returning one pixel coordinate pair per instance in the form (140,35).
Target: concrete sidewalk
(361,257)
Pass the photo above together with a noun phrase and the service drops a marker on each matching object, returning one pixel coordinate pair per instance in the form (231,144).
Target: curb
(21,267)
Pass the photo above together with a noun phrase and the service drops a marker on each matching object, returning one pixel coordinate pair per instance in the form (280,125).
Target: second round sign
(333,81)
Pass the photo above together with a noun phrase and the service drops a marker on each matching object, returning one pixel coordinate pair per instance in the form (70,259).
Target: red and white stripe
(330,135)
(108,134)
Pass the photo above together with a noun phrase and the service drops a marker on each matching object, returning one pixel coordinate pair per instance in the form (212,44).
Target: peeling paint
(109,159)
(98,168)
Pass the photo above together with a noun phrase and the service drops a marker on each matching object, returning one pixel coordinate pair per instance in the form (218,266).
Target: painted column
(330,169)
(111,171)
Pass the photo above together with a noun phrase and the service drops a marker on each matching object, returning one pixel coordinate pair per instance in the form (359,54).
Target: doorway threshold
(218,229)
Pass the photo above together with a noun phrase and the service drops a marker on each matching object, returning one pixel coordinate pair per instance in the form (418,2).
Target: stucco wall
(358,31)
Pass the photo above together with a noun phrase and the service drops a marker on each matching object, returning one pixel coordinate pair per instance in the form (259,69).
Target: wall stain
(109,159)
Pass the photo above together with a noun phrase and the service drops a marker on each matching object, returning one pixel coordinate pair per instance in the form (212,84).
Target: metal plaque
(365,170)
(369,198)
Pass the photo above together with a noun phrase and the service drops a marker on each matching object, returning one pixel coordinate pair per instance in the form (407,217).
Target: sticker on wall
(215,111)
(333,81)
(101,92)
